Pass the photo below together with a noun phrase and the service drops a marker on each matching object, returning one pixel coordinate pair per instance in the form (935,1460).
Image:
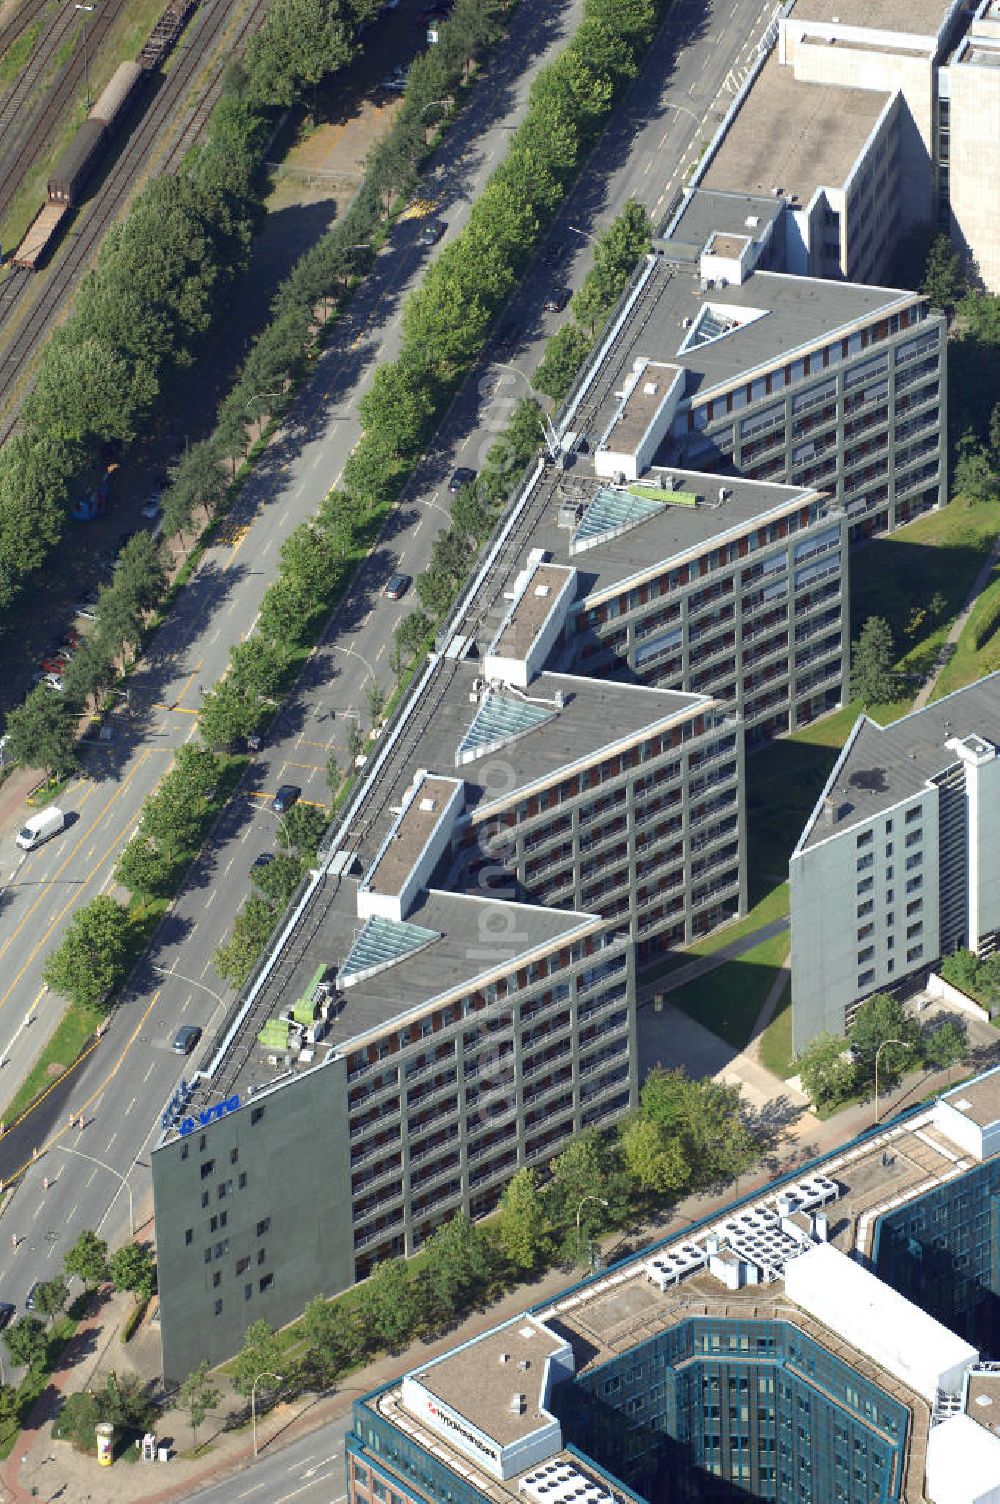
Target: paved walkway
(957,627)
(701,965)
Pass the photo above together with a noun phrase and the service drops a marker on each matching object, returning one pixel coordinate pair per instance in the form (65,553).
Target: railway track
(24,132)
(19,23)
(113,192)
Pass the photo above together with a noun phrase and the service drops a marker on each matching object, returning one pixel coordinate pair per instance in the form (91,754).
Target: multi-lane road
(120,1088)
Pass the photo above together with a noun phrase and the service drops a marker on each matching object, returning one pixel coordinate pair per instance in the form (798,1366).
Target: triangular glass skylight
(381,943)
(610,514)
(500,720)
(715,321)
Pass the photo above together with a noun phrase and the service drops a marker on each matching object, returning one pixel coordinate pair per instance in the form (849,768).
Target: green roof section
(646,490)
(381,943)
(304,1011)
(274,1034)
(500,720)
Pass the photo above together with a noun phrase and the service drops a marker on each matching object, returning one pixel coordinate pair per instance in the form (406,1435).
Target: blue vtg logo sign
(209,1115)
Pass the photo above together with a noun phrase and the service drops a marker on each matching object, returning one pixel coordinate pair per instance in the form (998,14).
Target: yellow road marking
(179,709)
(321,745)
(312,766)
(187,683)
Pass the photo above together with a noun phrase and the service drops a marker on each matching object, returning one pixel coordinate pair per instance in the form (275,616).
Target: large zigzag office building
(827,1341)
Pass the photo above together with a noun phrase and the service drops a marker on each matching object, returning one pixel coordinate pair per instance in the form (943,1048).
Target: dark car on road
(263,860)
(186,1038)
(463,476)
(287,795)
(396,587)
(7,1313)
(431,232)
(556,301)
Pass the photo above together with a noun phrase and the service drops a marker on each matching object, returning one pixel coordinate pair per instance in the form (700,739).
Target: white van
(41,827)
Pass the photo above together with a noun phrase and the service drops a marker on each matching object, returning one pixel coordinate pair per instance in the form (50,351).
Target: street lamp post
(548,427)
(86,60)
(877,1054)
(579,1209)
(111,1171)
(267,1374)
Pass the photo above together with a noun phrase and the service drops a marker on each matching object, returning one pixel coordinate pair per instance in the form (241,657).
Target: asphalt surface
(121,1087)
(310,1471)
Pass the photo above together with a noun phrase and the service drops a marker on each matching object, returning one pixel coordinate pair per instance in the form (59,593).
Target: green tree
(588,1191)
(302,829)
(705,1117)
(227,713)
(944,1045)
(653,1156)
(881,1018)
(943,282)
(332,1339)
(827,1070)
(143,869)
(85,390)
(334,776)
(26,1342)
(198,480)
(411,633)
(141,576)
(872,680)
(198,1395)
(458,1269)
(89,671)
(42,733)
(976,479)
(237,957)
(133,1267)
(388,1309)
(375,699)
(961,970)
(299,43)
(277,881)
(261,1353)
(522,1227)
(93,954)
(564,354)
(51,1296)
(88,1259)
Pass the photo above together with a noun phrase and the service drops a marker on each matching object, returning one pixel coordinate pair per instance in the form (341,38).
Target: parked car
(287,795)
(556,301)
(463,476)
(396,80)
(396,586)
(186,1038)
(7,1313)
(263,860)
(53,680)
(51,665)
(29,1299)
(86,606)
(153,507)
(432,232)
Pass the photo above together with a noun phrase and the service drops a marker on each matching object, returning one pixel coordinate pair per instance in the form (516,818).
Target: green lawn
(728,1000)
(968,662)
(776,1041)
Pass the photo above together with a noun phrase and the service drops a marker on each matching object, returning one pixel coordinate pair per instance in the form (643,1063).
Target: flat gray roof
(595,715)
(710,211)
(794,136)
(796,313)
(450,962)
(882,766)
(670,533)
(918,17)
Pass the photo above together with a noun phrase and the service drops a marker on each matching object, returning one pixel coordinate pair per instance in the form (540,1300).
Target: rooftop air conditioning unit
(517,1404)
(686,323)
(723,281)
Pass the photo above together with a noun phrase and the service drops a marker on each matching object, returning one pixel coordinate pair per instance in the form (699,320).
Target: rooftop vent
(542,590)
(504,1358)
(649,387)
(517,1404)
(427,806)
(524,1364)
(752,221)
(526,1332)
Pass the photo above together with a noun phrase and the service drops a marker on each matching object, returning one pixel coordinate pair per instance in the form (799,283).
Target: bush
(133,1318)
